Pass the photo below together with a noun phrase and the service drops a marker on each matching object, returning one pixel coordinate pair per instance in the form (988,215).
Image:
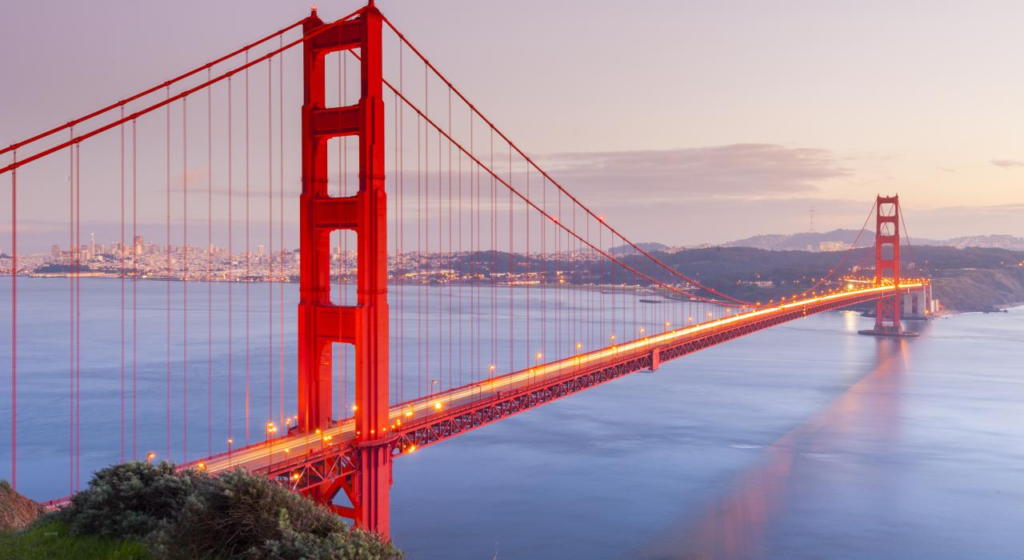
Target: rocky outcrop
(16,511)
(980,289)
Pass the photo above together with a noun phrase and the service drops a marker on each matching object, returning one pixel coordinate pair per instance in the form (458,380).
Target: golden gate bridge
(511,292)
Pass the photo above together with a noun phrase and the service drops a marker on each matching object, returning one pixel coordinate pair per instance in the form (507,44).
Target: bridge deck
(305,460)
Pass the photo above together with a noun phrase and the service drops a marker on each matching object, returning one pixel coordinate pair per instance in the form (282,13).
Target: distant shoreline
(997,308)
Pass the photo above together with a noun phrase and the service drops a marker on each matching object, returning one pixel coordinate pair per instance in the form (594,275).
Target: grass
(49,540)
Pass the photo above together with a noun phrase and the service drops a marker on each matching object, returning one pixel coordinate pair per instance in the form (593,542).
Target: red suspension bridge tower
(887,267)
(322,323)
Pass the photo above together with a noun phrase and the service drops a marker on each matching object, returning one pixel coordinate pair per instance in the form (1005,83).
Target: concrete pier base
(894,333)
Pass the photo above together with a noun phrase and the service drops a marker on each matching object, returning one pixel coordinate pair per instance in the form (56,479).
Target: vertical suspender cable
(451,282)
(248,254)
(280,232)
(270,234)
(186,279)
(399,167)
(209,268)
(426,234)
(122,250)
(397,355)
(231,273)
(136,248)
(167,280)
(526,254)
(546,267)
(440,254)
(14,325)
(71,314)
(511,268)
(78,319)
(419,263)
(461,275)
(494,260)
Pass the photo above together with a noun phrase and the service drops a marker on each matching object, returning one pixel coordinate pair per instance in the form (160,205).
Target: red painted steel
(322,323)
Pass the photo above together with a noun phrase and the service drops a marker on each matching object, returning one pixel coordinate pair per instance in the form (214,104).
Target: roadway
(292,447)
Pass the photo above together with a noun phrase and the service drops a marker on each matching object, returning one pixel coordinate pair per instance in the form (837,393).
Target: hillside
(814,241)
(968,279)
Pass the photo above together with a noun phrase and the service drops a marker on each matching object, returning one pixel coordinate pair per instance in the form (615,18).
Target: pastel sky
(719,119)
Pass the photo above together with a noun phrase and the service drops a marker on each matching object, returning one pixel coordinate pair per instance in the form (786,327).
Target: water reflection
(866,418)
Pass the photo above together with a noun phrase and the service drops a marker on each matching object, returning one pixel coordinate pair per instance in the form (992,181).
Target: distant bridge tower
(887,267)
(321,323)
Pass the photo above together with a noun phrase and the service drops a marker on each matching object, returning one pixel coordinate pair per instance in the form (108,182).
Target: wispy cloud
(1007,163)
(748,171)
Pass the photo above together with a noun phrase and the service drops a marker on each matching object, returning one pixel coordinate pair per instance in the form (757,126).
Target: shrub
(190,515)
(131,500)
(238,515)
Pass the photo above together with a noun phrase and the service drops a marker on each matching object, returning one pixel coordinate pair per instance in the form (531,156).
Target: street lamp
(271,430)
(150,456)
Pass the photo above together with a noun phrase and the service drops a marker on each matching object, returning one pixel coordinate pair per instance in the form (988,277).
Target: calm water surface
(805,441)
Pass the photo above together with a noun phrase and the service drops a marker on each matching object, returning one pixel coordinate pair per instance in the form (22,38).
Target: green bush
(238,515)
(131,500)
(235,515)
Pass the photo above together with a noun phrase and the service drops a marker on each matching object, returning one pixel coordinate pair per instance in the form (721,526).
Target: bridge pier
(918,305)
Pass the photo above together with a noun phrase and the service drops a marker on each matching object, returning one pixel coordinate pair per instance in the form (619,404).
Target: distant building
(827,246)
